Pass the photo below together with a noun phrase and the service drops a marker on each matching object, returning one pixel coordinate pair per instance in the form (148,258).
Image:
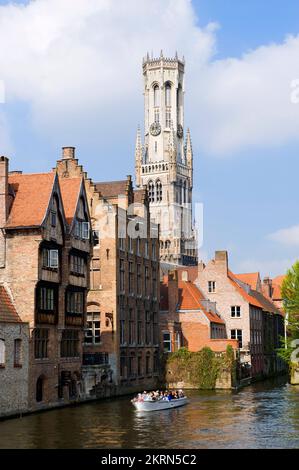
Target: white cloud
(78,65)
(287,236)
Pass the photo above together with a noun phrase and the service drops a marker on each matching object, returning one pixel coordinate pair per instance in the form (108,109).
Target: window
(50,258)
(75,302)
(131,366)
(148,332)
(131,327)
(46,299)
(130,241)
(139,327)
(53,219)
(212,286)
(146,248)
(122,275)
(151,191)
(69,343)
(177,340)
(131,277)
(166,341)
(168,118)
(122,331)
(96,237)
(41,339)
(237,334)
(139,280)
(2,353)
(138,246)
(139,365)
(155,328)
(93,331)
(154,282)
(82,230)
(159,191)
(146,279)
(122,365)
(156,96)
(156,146)
(147,364)
(167,94)
(154,250)
(157,115)
(77,264)
(235,311)
(122,243)
(18,359)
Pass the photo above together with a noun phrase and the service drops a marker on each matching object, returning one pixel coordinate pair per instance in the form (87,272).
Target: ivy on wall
(199,369)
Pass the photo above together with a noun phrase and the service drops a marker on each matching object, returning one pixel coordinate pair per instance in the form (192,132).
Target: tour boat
(156,405)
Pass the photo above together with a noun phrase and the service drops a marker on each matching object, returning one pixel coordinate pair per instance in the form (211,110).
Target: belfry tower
(164,161)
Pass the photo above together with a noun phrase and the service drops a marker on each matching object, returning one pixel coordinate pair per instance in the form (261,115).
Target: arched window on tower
(168,104)
(151,191)
(156,96)
(159,192)
(179,103)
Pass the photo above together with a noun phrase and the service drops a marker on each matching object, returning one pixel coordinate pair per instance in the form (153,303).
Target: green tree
(290,295)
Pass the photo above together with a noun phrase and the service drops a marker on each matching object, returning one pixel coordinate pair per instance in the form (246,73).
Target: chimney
(267,286)
(173,291)
(201,266)
(68,153)
(3,205)
(221,260)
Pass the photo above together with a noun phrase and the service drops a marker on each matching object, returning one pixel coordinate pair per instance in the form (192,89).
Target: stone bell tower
(164,162)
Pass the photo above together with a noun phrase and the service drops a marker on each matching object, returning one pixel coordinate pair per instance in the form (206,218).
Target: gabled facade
(188,319)
(46,267)
(249,317)
(121,344)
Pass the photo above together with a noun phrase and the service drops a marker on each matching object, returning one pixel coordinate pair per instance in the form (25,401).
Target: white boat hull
(160,404)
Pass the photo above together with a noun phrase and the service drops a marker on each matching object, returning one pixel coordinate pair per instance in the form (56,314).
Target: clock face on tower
(180,131)
(155,128)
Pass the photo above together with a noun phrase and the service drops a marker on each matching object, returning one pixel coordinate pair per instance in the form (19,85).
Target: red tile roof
(277,284)
(70,189)
(191,298)
(249,278)
(112,188)
(8,313)
(32,196)
(246,295)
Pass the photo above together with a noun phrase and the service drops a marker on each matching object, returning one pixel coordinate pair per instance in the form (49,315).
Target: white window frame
(2,352)
(167,341)
(235,307)
(211,287)
(85,230)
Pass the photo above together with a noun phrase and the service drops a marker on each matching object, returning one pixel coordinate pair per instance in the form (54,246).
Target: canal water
(264,415)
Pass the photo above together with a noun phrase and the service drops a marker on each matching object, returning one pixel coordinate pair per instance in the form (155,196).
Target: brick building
(121,343)
(45,264)
(189,320)
(271,289)
(250,318)
(14,358)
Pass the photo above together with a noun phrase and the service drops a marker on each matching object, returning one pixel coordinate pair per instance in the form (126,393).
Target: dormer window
(50,258)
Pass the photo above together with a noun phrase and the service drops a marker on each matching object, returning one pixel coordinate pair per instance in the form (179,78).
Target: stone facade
(164,163)
(121,349)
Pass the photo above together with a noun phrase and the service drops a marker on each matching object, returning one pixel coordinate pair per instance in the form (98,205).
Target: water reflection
(261,416)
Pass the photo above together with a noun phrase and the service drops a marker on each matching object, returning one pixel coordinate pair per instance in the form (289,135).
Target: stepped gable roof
(70,190)
(249,278)
(32,194)
(112,188)
(8,313)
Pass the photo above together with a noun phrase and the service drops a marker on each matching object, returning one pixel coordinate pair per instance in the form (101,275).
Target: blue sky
(72,74)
